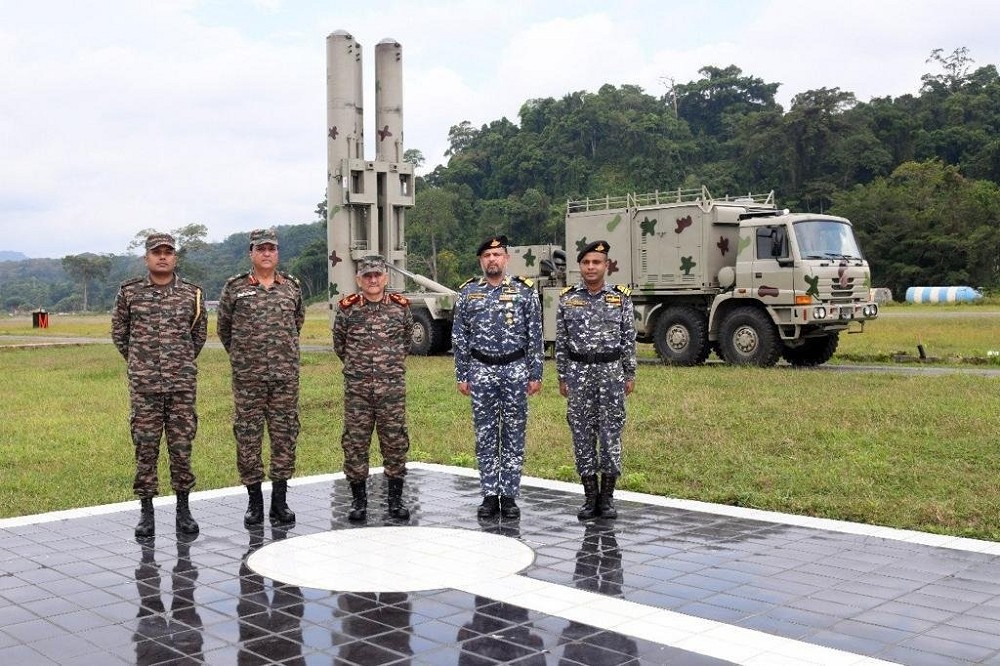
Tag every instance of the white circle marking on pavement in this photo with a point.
(391, 559)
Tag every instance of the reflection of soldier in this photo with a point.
(496, 336)
(499, 633)
(260, 316)
(371, 335)
(595, 359)
(270, 630)
(366, 616)
(158, 325)
(160, 638)
(598, 569)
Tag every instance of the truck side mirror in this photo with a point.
(777, 243)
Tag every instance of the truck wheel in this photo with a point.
(425, 334)
(748, 337)
(681, 336)
(812, 351)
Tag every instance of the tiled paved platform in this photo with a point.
(669, 582)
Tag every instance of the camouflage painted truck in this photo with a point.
(736, 276)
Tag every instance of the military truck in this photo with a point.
(736, 276)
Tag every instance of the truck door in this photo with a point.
(771, 275)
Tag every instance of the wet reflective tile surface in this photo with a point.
(665, 583)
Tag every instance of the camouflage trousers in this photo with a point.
(275, 403)
(152, 416)
(500, 417)
(374, 406)
(595, 412)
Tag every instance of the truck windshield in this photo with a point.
(826, 239)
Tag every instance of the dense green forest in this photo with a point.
(919, 175)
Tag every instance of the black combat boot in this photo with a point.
(489, 508)
(255, 506)
(147, 525)
(359, 506)
(396, 507)
(605, 503)
(589, 508)
(280, 513)
(508, 508)
(185, 521)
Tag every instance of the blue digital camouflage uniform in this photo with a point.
(160, 330)
(259, 327)
(595, 356)
(496, 324)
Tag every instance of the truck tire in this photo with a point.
(681, 336)
(425, 334)
(747, 336)
(812, 351)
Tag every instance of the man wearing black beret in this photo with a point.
(595, 360)
(496, 338)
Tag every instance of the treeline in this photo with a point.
(917, 174)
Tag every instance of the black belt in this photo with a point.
(595, 357)
(503, 359)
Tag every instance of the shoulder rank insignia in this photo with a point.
(467, 283)
(348, 301)
(528, 282)
(566, 290)
(624, 289)
(399, 298)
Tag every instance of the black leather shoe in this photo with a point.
(509, 509)
(489, 508)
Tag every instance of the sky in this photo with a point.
(122, 115)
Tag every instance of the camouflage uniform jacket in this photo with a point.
(372, 338)
(159, 330)
(259, 327)
(595, 323)
(497, 321)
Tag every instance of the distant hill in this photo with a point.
(10, 255)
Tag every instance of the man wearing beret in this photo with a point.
(497, 343)
(595, 360)
(371, 335)
(159, 327)
(260, 316)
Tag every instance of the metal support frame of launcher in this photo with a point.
(366, 199)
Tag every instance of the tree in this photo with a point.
(310, 267)
(86, 268)
(414, 157)
(431, 219)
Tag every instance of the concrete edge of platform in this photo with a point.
(844, 527)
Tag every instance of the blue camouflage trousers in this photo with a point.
(500, 418)
(152, 416)
(595, 412)
(275, 403)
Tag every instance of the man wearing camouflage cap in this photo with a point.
(159, 327)
(260, 316)
(595, 360)
(371, 335)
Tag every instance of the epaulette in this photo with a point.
(566, 289)
(527, 281)
(131, 281)
(623, 289)
(399, 298)
(191, 284)
(348, 301)
(289, 276)
(238, 276)
(468, 282)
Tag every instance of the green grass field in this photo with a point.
(896, 449)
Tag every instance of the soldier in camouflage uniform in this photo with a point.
(595, 359)
(260, 316)
(159, 327)
(497, 343)
(371, 335)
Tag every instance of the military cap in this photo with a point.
(157, 239)
(491, 243)
(262, 236)
(597, 246)
(371, 264)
